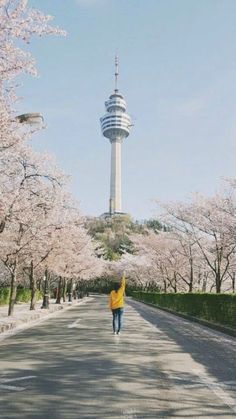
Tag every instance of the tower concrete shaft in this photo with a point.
(115, 180)
(115, 126)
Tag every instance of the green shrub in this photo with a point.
(216, 308)
(23, 295)
(39, 295)
(4, 295)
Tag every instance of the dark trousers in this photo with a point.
(117, 319)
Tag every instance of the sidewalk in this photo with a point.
(23, 317)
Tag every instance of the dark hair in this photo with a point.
(116, 286)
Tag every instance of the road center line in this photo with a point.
(14, 388)
(74, 324)
(8, 380)
(4, 386)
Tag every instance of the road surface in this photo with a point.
(161, 366)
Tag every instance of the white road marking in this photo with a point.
(11, 387)
(28, 325)
(5, 387)
(74, 324)
(8, 380)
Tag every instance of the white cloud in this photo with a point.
(192, 106)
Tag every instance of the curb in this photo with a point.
(27, 319)
(5, 327)
(223, 329)
(45, 313)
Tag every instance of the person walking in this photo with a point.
(116, 304)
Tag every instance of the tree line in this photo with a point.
(194, 251)
(42, 233)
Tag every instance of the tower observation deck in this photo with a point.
(115, 125)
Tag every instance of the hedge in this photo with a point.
(4, 295)
(215, 308)
(23, 295)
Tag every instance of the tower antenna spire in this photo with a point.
(116, 72)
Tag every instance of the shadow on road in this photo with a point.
(85, 372)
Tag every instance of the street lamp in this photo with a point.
(32, 118)
(35, 119)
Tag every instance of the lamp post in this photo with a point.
(35, 119)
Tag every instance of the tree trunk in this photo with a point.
(2, 226)
(191, 276)
(39, 284)
(190, 286)
(12, 293)
(175, 283)
(59, 291)
(70, 291)
(204, 283)
(218, 283)
(46, 291)
(33, 287)
(165, 286)
(233, 282)
(64, 290)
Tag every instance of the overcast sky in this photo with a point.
(178, 76)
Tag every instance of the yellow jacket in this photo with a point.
(116, 299)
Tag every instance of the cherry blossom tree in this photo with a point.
(73, 257)
(18, 24)
(38, 183)
(21, 193)
(136, 267)
(210, 224)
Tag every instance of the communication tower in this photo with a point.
(115, 125)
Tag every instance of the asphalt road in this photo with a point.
(162, 366)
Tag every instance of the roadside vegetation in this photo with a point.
(215, 308)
